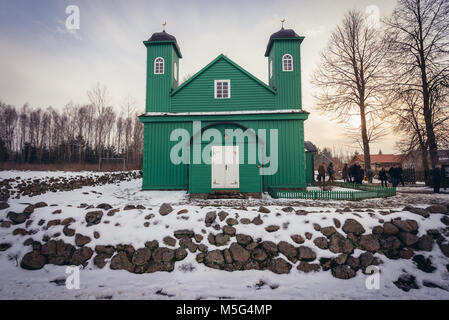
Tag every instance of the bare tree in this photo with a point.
(99, 98)
(138, 140)
(129, 104)
(119, 133)
(77, 133)
(9, 120)
(406, 116)
(349, 75)
(418, 46)
(186, 77)
(24, 126)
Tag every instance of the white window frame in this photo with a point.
(175, 71)
(271, 69)
(284, 58)
(229, 89)
(163, 65)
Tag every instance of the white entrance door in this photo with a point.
(225, 167)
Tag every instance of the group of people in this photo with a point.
(353, 173)
(395, 174)
(322, 172)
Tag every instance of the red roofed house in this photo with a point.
(378, 161)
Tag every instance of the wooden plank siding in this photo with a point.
(160, 85)
(160, 173)
(287, 84)
(198, 95)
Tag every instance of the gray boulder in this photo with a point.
(306, 254)
(165, 209)
(339, 244)
(353, 226)
(33, 260)
(214, 259)
(279, 266)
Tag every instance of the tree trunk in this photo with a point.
(427, 110)
(365, 140)
(425, 164)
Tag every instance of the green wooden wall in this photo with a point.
(286, 83)
(249, 177)
(160, 173)
(159, 86)
(246, 94)
(309, 167)
(158, 170)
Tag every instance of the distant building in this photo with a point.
(443, 159)
(378, 160)
(414, 159)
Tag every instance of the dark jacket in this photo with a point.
(394, 172)
(345, 171)
(321, 171)
(352, 170)
(330, 169)
(383, 175)
(436, 175)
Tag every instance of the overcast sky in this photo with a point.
(43, 64)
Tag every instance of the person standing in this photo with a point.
(400, 175)
(357, 173)
(322, 172)
(436, 179)
(330, 172)
(383, 177)
(445, 176)
(345, 173)
(369, 175)
(394, 174)
(352, 173)
(361, 175)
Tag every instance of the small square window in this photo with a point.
(222, 89)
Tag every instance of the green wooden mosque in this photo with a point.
(224, 129)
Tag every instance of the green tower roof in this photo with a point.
(163, 36)
(282, 34)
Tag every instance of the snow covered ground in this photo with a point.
(39, 174)
(420, 189)
(191, 280)
(333, 189)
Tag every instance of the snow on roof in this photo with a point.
(174, 114)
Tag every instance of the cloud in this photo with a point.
(315, 32)
(62, 29)
(59, 65)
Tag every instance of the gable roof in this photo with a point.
(220, 57)
(379, 158)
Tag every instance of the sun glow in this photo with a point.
(354, 121)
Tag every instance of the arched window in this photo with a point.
(271, 69)
(287, 62)
(175, 71)
(159, 65)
